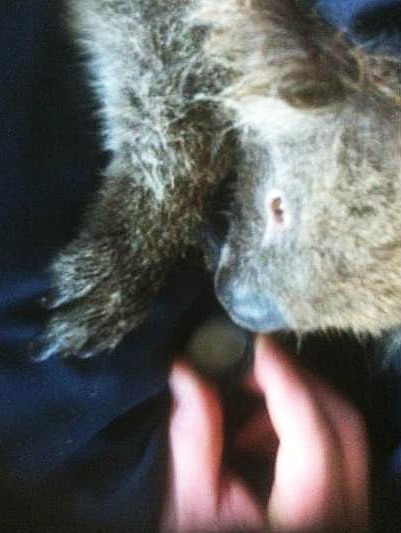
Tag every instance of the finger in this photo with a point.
(196, 442)
(203, 499)
(308, 489)
(238, 509)
(350, 428)
(287, 391)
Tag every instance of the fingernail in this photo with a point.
(180, 381)
(264, 346)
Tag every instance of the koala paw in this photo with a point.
(83, 328)
(89, 308)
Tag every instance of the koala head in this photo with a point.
(314, 236)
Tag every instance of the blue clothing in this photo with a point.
(373, 24)
(82, 444)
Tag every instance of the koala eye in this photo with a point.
(278, 217)
(276, 206)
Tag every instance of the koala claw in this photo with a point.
(79, 327)
(41, 349)
(53, 301)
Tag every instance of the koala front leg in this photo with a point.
(104, 280)
(137, 228)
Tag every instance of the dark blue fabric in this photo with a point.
(81, 443)
(384, 422)
(373, 24)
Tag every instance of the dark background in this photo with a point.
(83, 444)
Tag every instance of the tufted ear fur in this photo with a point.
(284, 49)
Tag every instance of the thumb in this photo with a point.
(196, 443)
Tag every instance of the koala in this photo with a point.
(259, 101)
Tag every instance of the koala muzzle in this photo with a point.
(249, 309)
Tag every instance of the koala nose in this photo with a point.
(248, 308)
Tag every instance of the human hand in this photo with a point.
(320, 471)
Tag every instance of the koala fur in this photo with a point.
(306, 125)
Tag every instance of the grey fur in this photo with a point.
(191, 90)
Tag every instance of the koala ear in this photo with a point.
(326, 67)
(310, 88)
(294, 54)
(316, 77)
